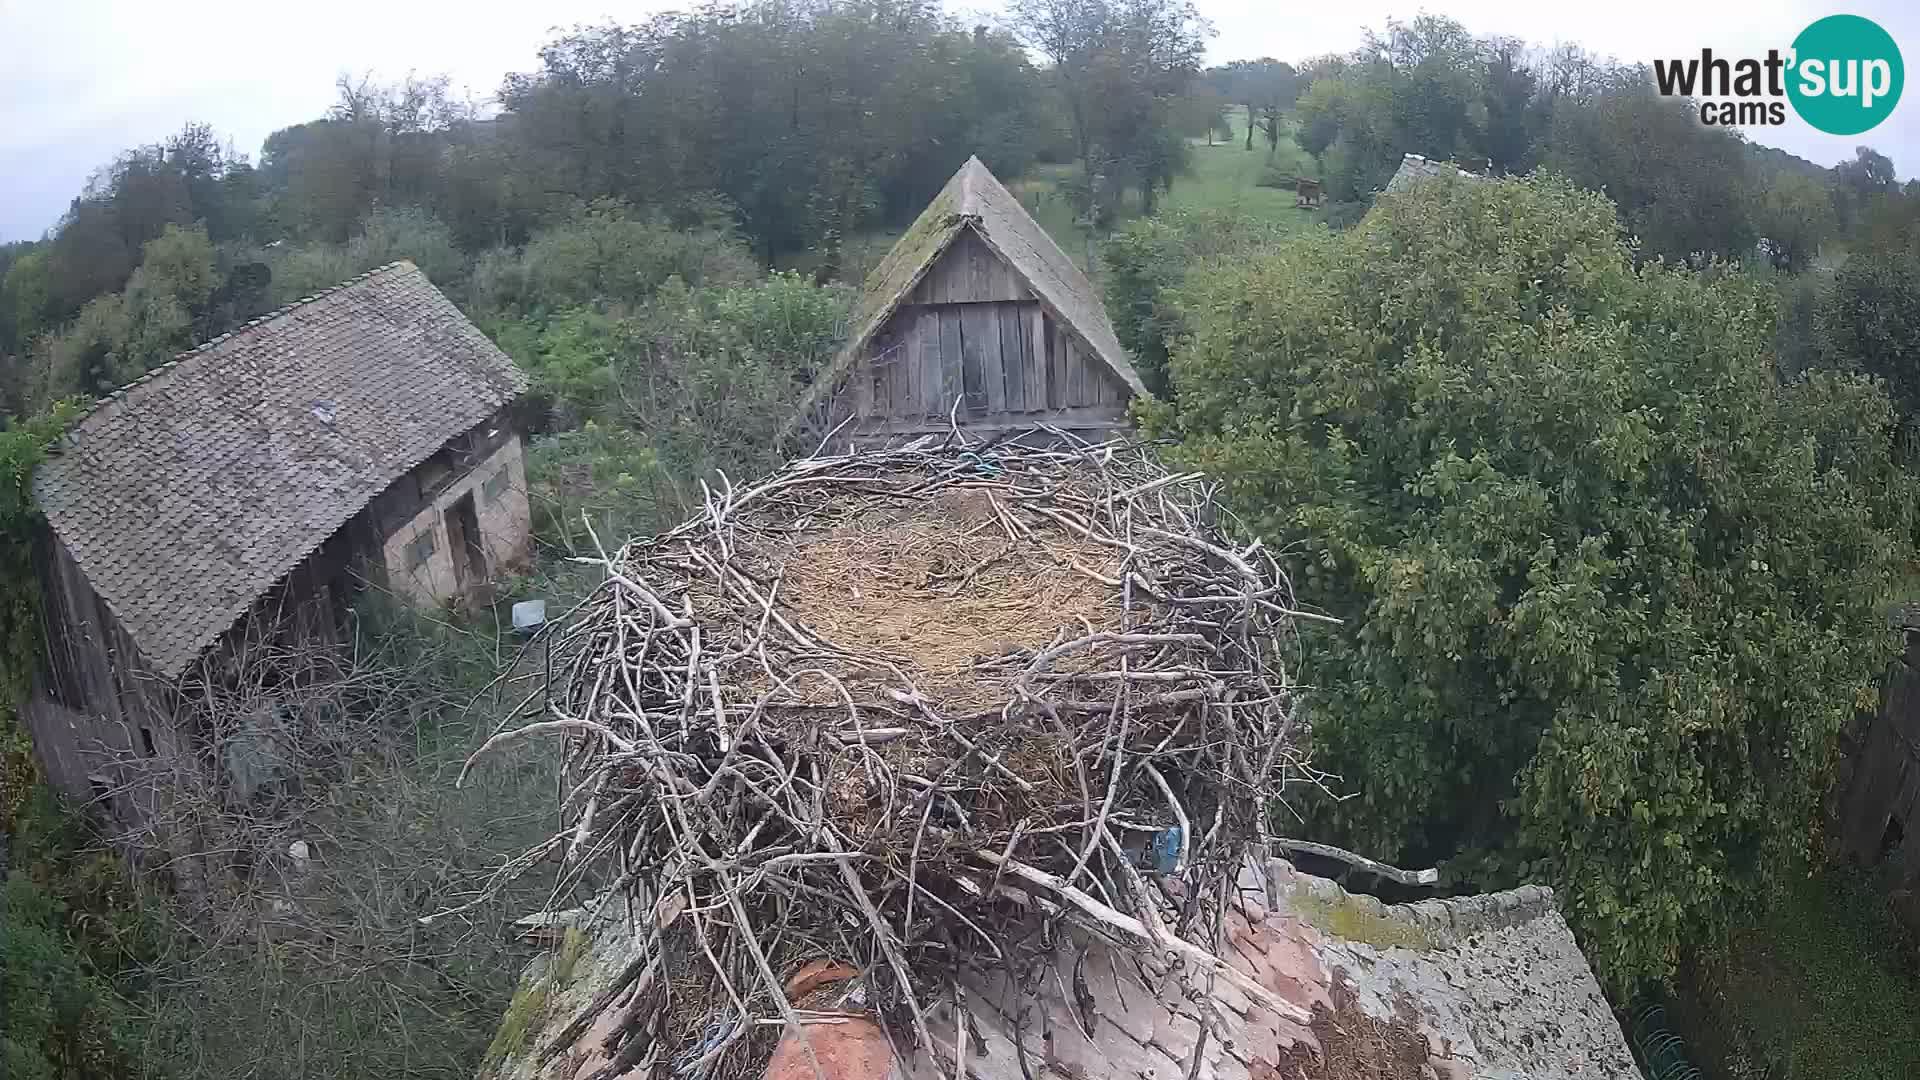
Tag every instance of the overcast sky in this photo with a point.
(81, 80)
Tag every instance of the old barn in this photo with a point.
(976, 317)
(242, 493)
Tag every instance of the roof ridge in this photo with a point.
(969, 191)
(120, 392)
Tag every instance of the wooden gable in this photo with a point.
(971, 330)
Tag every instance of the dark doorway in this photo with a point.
(1894, 836)
(463, 542)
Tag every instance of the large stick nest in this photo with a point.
(918, 710)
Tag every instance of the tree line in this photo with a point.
(800, 127)
(1609, 539)
(1493, 104)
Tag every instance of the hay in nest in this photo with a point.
(920, 710)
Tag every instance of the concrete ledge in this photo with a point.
(1445, 920)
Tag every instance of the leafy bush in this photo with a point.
(73, 921)
(569, 356)
(23, 445)
(386, 235)
(694, 381)
(609, 476)
(1609, 589)
(120, 336)
(1868, 321)
(608, 256)
(62, 1019)
(1273, 176)
(1147, 258)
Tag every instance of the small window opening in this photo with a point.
(1893, 837)
(419, 550)
(496, 485)
(146, 740)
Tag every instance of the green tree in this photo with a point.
(384, 236)
(120, 336)
(1415, 87)
(807, 122)
(1794, 214)
(1512, 107)
(1684, 190)
(1266, 88)
(1121, 66)
(1145, 262)
(607, 256)
(1868, 321)
(62, 1019)
(1609, 589)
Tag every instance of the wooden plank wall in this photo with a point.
(971, 330)
(1879, 782)
(967, 273)
(90, 711)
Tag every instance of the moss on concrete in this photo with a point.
(573, 945)
(1344, 917)
(527, 1012)
(524, 1013)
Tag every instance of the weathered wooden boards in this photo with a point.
(972, 331)
(1000, 357)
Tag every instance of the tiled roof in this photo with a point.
(975, 199)
(187, 495)
(1494, 986)
(1414, 168)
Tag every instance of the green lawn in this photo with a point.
(1225, 176)
(1222, 177)
(1821, 987)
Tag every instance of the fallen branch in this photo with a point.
(1430, 876)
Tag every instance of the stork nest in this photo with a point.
(919, 710)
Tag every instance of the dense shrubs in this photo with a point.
(1867, 320)
(691, 381)
(1609, 589)
(1150, 256)
(72, 923)
(608, 256)
(386, 235)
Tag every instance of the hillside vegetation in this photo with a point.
(1610, 490)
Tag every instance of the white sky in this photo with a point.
(81, 80)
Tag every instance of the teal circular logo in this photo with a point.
(1846, 74)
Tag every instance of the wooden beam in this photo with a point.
(1012, 357)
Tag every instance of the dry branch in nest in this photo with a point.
(922, 710)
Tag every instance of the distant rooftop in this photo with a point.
(1414, 168)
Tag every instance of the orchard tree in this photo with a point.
(1608, 589)
(1266, 88)
(1121, 66)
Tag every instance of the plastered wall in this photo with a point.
(498, 485)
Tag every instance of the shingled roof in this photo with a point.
(974, 199)
(1414, 168)
(187, 495)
